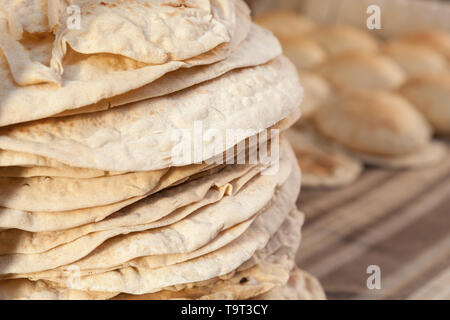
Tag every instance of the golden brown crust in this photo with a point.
(430, 94)
(286, 24)
(362, 70)
(375, 122)
(436, 39)
(337, 39)
(416, 59)
(304, 52)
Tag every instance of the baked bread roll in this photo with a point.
(374, 122)
(303, 52)
(323, 162)
(362, 70)
(436, 39)
(286, 24)
(301, 286)
(340, 38)
(431, 96)
(316, 92)
(416, 59)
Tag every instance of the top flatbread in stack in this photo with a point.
(92, 122)
(50, 64)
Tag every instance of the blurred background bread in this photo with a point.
(337, 39)
(362, 70)
(430, 94)
(375, 122)
(394, 213)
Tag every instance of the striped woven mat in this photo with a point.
(396, 220)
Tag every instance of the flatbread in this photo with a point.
(323, 163)
(430, 155)
(163, 208)
(416, 59)
(438, 40)
(66, 172)
(10, 158)
(24, 289)
(235, 285)
(304, 52)
(181, 235)
(290, 227)
(245, 283)
(338, 39)
(290, 187)
(119, 140)
(317, 91)
(301, 286)
(62, 194)
(362, 70)
(152, 32)
(430, 94)
(98, 76)
(286, 24)
(381, 129)
(375, 122)
(258, 48)
(141, 281)
(42, 221)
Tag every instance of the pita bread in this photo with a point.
(24, 289)
(23, 69)
(337, 39)
(286, 24)
(10, 158)
(430, 94)
(362, 70)
(66, 172)
(258, 48)
(62, 194)
(437, 39)
(42, 221)
(374, 122)
(153, 262)
(323, 163)
(30, 165)
(152, 41)
(416, 59)
(271, 271)
(19, 165)
(118, 139)
(163, 208)
(148, 31)
(430, 155)
(31, 16)
(180, 233)
(97, 172)
(301, 286)
(141, 281)
(288, 236)
(235, 285)
(317, 91)
(304, 52)
(157, 261)
(98, 76)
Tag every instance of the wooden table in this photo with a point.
(397, 220)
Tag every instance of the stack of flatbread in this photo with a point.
(118, 178)
(367, 101)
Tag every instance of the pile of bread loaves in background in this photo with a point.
(367, 101)
(94, 201)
